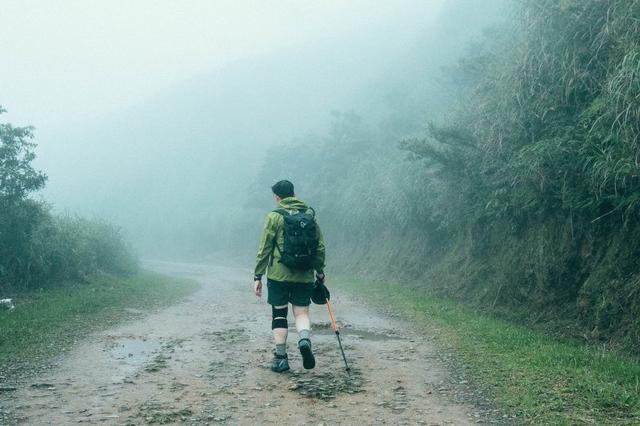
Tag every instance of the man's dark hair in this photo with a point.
(283, 189)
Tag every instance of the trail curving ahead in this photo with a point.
(206, 361)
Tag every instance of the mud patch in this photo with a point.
(326, 386)
(226, 373)
(134, 350)
(349, 331)
(153, 412)
(399, 402)
(230, 336)
(157, 364)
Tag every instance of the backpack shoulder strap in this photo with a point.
(281, 212)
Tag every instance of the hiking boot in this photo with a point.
(280, 363)
(308, 360)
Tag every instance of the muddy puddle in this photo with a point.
(347, 331)
(134, 350)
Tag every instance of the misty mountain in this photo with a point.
(174, 170)
(169, 163)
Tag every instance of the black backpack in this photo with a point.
(300, 239)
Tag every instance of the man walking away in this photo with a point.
(291, 249)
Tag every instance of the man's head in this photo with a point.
(282, 189)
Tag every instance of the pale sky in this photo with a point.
(89, 58)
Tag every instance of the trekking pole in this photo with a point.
(334, 325)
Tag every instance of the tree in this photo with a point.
(18, 178)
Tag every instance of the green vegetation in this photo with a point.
(537, 174)
(38, 249)
(523, 198)
(46, 322)
(540, 379)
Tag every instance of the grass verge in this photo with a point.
(47, 322)
(538, 378)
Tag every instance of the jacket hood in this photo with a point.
(292, 203)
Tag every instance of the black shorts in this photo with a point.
(280, 293)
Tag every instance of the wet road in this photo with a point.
(206, 361)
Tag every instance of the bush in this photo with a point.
(47, 250)
(39, 249)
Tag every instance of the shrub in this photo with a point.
(37, 248)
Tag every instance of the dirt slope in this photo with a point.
(205, 361)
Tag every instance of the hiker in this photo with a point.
(291, 249)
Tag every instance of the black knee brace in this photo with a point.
(279, 317)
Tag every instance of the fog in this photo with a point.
(158, 116)
(473, 166)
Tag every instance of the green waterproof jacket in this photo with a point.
(268, 256)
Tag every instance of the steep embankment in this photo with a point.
(579, 283)
(537, 178)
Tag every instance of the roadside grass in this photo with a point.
(540, 379)
(47, 322)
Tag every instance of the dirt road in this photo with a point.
(206, 361)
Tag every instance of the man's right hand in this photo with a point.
(257, 287)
